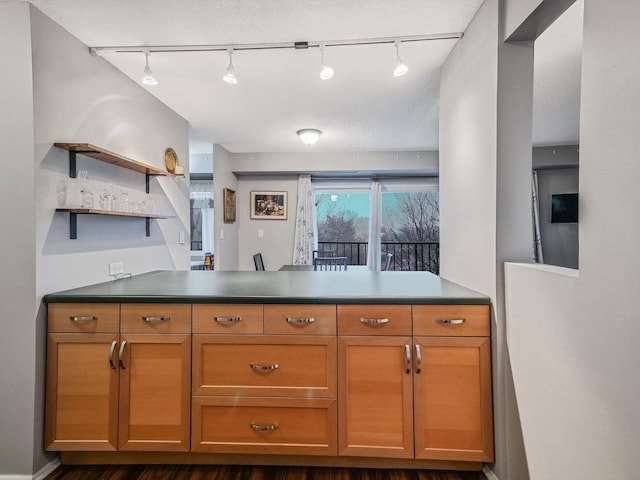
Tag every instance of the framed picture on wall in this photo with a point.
(229, 205)
(268, 205)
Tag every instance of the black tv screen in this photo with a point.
(564, 208)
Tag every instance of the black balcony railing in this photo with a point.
(407, 256)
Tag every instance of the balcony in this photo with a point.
(407, 256)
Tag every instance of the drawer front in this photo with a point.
(264, 365)
(229, 319)
(300, 319)
(155, 318)
(264, 425)
(451, 320)
(83, 317)
(374, 319)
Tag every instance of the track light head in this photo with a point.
(149, 78)
(326, 72)
(230, 72)
(401, 68)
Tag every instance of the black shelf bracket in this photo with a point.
(146, 182)
(73, 226)
(72, 164)
(148, 222)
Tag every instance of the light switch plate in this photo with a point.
(116, 268)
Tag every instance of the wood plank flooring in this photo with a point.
(213, 472)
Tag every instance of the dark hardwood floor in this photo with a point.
(212, 472)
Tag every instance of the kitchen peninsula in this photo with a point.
(379, 369)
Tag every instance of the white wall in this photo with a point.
(57, 91)
(580, 396)
(18, 304)
(279, 172)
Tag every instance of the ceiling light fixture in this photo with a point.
(326, 72)
(401, 68)
(309, 136)
(149, 78)
(230, 73)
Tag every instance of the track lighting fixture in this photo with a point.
(230, 73)
(149, 78)
(401, 68)
(326, 72)
(309, 136)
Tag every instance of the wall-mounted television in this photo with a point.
(564, 208)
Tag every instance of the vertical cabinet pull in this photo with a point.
(418, 359)
(111, 350)
(407, 349)
(120, 354)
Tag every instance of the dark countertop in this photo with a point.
(355, 287)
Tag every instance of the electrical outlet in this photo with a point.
(116, 268)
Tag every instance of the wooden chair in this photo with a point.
(257, 261)
(386, 261)
(330, 263)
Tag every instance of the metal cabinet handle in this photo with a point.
(255, 366)
(374, 321)
(449, 321)
(111, 350)
(418, 359)
(227, 319)
(407, 349)
(120, 354)
(82, 318)
(301, 321)
(263, 428)
(156, 319)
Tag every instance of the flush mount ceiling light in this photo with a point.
(401, 68)
(230, 73)
(326, 72)
(309, 136)
(149, 78)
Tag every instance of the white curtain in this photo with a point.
(535, 212)
(374, 251)
(306, 232)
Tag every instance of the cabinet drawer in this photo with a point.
(374, 319)
(155, 318)
(300, 319)
(264, 425)
(264, 365)
(83, 317)
(223, 318)
(451, 320)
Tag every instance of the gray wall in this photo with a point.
(18, 303)
(70, 96)
(574, 334)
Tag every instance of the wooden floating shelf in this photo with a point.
(93, 211)
(107, 156)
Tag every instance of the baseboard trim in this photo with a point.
(489, 473)
(47, 469)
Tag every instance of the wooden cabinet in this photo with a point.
(410, 383)
(426, 397)
(452, 383)
(254, 392)
(124, 390)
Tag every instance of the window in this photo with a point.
(408, 227)
(201, 201)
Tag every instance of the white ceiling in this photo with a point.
(362, 108)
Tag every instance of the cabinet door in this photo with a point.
(375, 397)
(452, 388)
(155, 385)
(82, 392)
